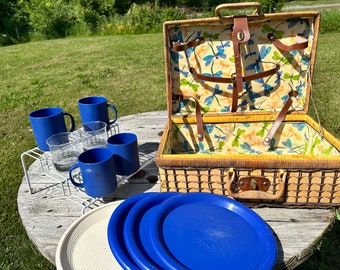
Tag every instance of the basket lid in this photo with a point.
(242, 64)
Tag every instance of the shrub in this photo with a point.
(145, 18)
(271, 6)
(58, 18)
(79, 29)
(49, 18)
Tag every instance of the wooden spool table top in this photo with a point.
(53, 205)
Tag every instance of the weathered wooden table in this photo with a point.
(49, 205)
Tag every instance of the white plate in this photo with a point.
(84, 244)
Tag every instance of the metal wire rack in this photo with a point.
(43, 161)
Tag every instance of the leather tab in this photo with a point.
(178, 46)
(240, 30)
(246, 183)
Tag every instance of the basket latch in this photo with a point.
(253, 183)
(256, 187)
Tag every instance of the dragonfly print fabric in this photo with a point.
(215, 57)
(247, 138)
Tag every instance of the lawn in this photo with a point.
(129, 71)
(312, 5)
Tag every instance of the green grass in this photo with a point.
(129, 71)
(312, 4)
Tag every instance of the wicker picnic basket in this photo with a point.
(238, 91)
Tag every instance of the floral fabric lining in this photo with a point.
(247, 138)
(215, 57)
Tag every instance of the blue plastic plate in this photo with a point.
(208, 231)
(115, 231)
(132, 229)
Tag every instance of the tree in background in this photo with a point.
(268, 6)
(13, 28)
(57, 18)
(22, 20)
(94, 11)
(50, 18)
(6, 12)
(271, 6)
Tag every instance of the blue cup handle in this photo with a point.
(115, 113)
(74, 166)
(72, 121)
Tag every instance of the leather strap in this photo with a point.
(199, 120)
(301, 43)
(178, 46)
(247, 78)
(281, 116)
(239, 35)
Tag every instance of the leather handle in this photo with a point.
(234, 6)
(257, 194)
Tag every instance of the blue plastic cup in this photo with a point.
(46, 122)
(98, 174)
(96, 108)
(124, 147)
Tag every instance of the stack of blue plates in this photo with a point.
(189, 231)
